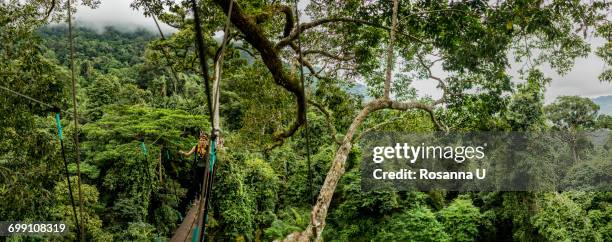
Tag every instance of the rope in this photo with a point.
(42, 103)
(60, 135)
(202, 55)
(76, 120)
(306, 129)
(26, 97)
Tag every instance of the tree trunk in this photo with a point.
(215, 95)
(319, 211)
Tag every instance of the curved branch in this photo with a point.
(51, 7)
(441, 83)
(286, 10)
(256, 37)
(245, 50)
(288, 19)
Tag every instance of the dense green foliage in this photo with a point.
(134, 88)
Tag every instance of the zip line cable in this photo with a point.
(76, 119)
(60, 135)
(306, 129)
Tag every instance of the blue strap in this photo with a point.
(196, 233)
(60, 133)
(213, 153)
(143, 148)
(213, 159)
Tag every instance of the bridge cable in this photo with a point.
(76, 119)
(60, 135)
(306, 129)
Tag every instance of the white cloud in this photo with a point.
(117, 13)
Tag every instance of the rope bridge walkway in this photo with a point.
(184, 232)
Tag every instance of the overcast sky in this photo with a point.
(582, 80)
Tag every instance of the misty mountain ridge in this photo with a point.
(605, 104)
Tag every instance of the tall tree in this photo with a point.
(572, 114)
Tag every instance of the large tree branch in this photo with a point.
(256, 37)
(49, 11)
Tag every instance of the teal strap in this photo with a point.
(196, 233)
(144, 148)
(60, 133)
(158, 238)
(213, 153)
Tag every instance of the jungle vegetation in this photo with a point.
(134, 87)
